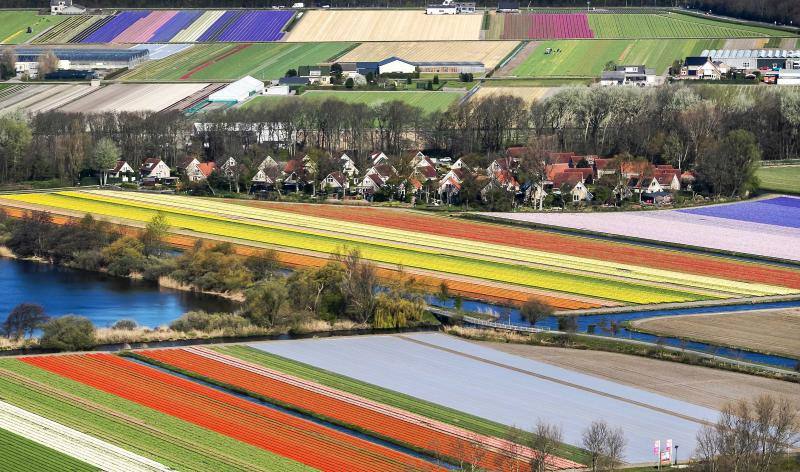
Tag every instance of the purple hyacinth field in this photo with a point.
(768, 228)
(179, 22)
(779, 211)
(257, 26)
(115, 27)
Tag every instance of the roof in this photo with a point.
(206, 168)
(293, 81)
(338, 177)
(293, 165)
(696, 60)
(551, 170)
(586, 172)
(568, 178)
(150, 163)
(428, 172)
(385, 170)
(243, 86)
(118, 167)
(722, 54)
(376, 179)
(603, 164)
(392, 59)
(84, 54)
(508, 5)
(612, 75)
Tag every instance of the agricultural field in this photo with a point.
(767, 228)
(481, 257)
(497, 386)
(132, 98)
(711, 388)
(771, 332)
(383, 25)
(146, 26)
(232, 62)
(490, 53)
(672, 25)
(29, 455)
(783, 179)
(546, 26)
(428, 101)
(402, 428)
(588, 58)
(14, 25)
(529, 94)
(42, 98)
(63, 32)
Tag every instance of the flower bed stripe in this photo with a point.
(287, 435)
(405, 428)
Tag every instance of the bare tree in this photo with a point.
(594, 441)
(48, 62)
(614, 448)
(358, 286)
(546, 439)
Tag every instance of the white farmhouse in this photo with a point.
(395, 65)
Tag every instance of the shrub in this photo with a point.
(202, 321)
(125, 256)
(127, 325)
(68, 333)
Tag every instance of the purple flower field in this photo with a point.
(154, 27)
(769, 228)
(779, 211)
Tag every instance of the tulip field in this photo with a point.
(401, 427)
(29, 454)
(588, 271)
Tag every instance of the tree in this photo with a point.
(593, 440)
(155, 233)
(534, 310)
(23, 320)
(104, 157)
(546, 440)
(349, 83)
(358, 286)
(291, 73)
(730, 167)
(8, 64)
(68, 333)
(263, 303)
(263, 264)
(48, 62)
(610, 66)
(125, 256)
(567, 323)
(436, 79)
(15, 139)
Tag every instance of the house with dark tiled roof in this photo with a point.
(154, 168)
(122, 171)
(336, 182)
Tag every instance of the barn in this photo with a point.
(238, 91)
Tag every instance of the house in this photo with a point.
(379, 158)
(580, 193)
(335, 181)
(450, 7)
(644, 185)
(265, 179)
(297, 173)
(123, 172)
(508, 6)
(370, 184)
(755, 59)
(66, 7)
(268, 163)
(384, 171)
(460, 164)
(154, 168)
(395, 65)
(629, 75)
(230, 167)
(502, 164)
(205, 169)
(701, 68)
(348, 166)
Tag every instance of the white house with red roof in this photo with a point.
(348, 166)
(122, 171)
(335, 181)
(154, 168)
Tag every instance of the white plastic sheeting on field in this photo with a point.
(73, 443)
(508, 389)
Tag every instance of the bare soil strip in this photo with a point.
(711, 388)
(768, 331)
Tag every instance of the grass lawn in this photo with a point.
(14, 24)
(582, 58)
(21, 454)
(385, 396)
(428, 101)
(784, 179)
(264, 61)
(672, 25)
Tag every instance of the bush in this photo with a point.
(68, 333)
(126, 325)
(202, 321)
(125, 256)
(534, 310)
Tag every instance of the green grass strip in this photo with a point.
(136, 428)
(386, 396)
(23, 455)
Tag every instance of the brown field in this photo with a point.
(773, 331)
(529, 94)
(384, 25)
(703, 386)
(490, 53)
(745, 43)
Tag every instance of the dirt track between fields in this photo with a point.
(769, 331)
(703, 386)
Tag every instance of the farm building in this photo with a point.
(81, 59)
(238, 91)
(508, 6)
(629, 75)
(450, 7)
(66, 7)
(789, 77)
(752, 59)
(395, 65)
(703, 68)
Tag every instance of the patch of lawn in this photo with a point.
(782, 179)
(14, 25)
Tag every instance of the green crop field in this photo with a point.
(144, 431)
(265, 61)
(581, 58)
(14, 25)
(672, 25)
(783, 179)
(21, 454)
(428, 101)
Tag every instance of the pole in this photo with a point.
(676, 454)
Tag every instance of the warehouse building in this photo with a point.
(238, 91)
(80, 59)
(754, 59)
(450, 7)
(396, 65)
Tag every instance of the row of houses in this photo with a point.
(775, 66)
